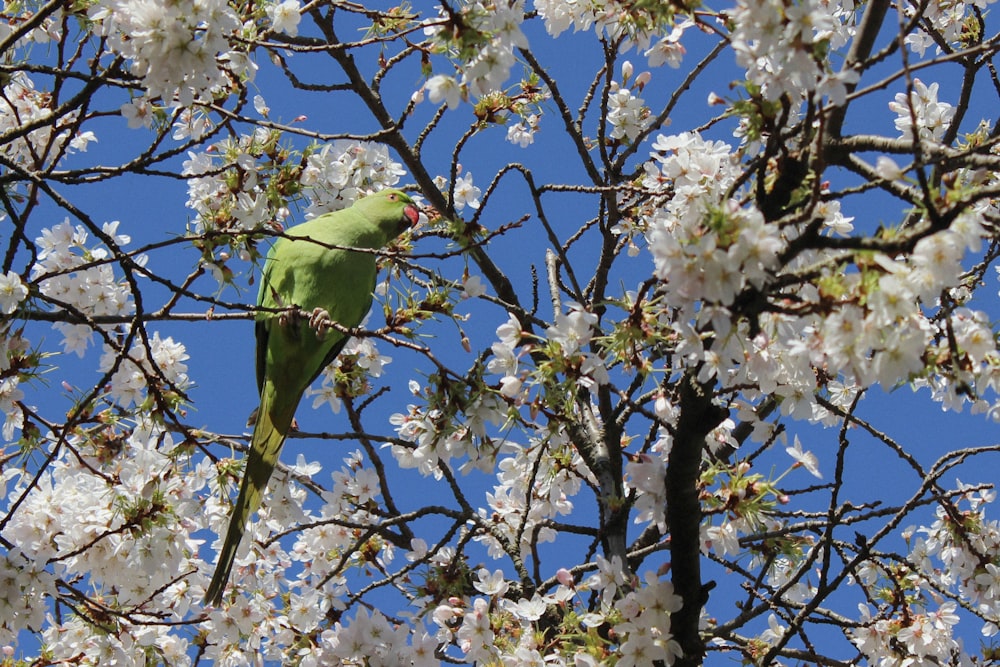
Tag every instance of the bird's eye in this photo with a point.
(393, 197)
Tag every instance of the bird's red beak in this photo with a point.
(412, 214)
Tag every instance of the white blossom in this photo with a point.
(807, 460)
(285, 16)
(12, 292)
(168, 45)
(932, 117)
(466, 194)
(443, 88)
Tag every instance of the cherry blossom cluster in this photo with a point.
(252, 624)
(892, 337)
(782, 45)
(349, 373)
(71, 274)
(355, 487)
(518, 510)
(639, 23)
(123, 521)
(370, 638)
(447, 422)
(627, 114)
(23, 582)
(704, 247)
(957, 556)
(14, 353)
(130, 645)
(942, 22)
(226, 189)
(436, 435)
(966, 542)
(926, 636)
(496, 626)
(48, 137)
(153, 367)
(709, 250)
(877, 334)
(338, 173)
(522, 133)
(480, 42)
(920, 107)
(327, 545)
(645, 478)
(483, 36)
(569, 350)
(17, 363)
(562, 360)
(180, 50)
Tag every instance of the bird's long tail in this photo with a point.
(269, 433)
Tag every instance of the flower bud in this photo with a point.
(626, 71)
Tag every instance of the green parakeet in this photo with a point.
(311, 269)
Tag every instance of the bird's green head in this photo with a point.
(392, 210)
